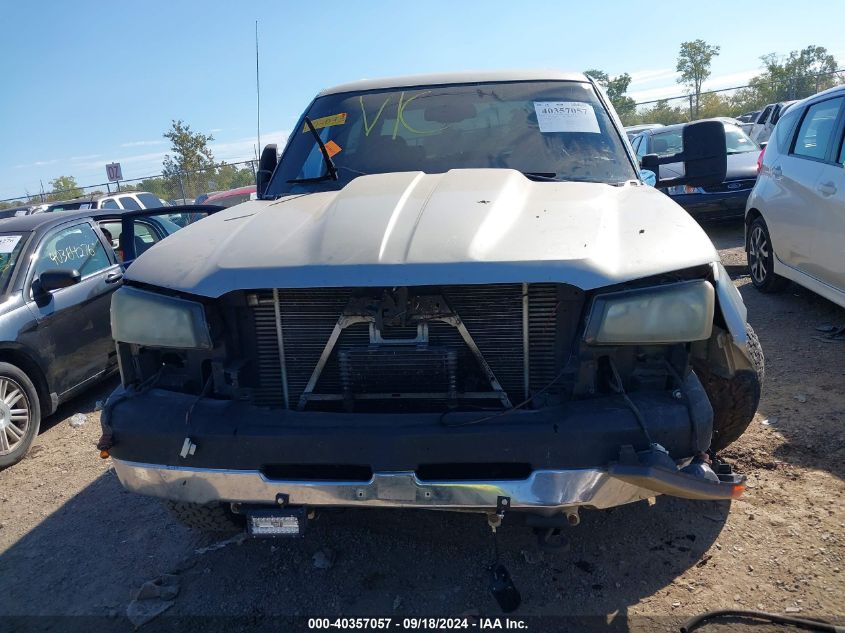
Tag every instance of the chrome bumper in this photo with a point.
(544, 489)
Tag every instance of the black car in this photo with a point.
(57, 274)
(725, 201)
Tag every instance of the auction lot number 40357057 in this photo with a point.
(416, 623)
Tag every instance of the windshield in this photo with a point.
(672, 142)
(551, 130)
(11, 245)
(738, 141)
(70, 206)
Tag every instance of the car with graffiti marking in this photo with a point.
(453, 292)
(57, 274)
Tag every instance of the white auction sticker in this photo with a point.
(566, 116)
(8, 243)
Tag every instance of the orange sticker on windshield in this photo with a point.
(326, 121)
(332, 148)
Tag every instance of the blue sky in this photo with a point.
(85, 83)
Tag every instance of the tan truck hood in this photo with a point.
(465, 226)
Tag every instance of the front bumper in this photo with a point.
(552, 458)
(719, 206)
(546, 490)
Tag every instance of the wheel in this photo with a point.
(761, 259)
(735, 400)
(20, 414)
(212, 517)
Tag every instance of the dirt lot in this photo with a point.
(73, 543)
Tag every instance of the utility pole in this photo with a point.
(257, 91)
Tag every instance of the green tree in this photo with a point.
(161, 187)
(694, 61)
(64, 187)
(662, 112)
(795, 76)
(599, 75)
(615, 88)
(714, 104)
(230, 177)
(190, 154)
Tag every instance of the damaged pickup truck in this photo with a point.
(453, 292)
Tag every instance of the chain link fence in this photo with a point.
(733, 101)
(180, 188)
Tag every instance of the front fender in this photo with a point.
(732, 306)
(726, 351)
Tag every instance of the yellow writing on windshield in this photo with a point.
(369, 128)
(400, 116)
(326, 121)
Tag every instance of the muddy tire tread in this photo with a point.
(735, 400)
(206, 518)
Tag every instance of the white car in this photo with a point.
(453, 292)
(761, 129)
(795, 216)
(129, 200)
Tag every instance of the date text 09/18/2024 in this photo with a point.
(414, 624)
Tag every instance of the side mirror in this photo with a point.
(51, 280)
(266, 166)
(704, 157)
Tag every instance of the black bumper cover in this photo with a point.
(151, 428)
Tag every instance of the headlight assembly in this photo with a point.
(155, 320)
(674, 313)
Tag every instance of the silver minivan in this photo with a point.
(795, 216)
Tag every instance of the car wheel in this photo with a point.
(20, 414)
(735, 399)
(761, 259)
(212, 517)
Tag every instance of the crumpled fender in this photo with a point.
(734, 314)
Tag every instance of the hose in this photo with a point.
(775, 618)
(619, 389)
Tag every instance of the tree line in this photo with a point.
(188, 170)
(797, 75)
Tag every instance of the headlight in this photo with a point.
(674, 313)
(154, 320)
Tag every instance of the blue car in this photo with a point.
(725, 201)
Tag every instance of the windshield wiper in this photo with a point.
(541, 175)
(331, 169)
(553, 177)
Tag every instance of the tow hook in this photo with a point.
(501, 584)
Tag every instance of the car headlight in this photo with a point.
(155, 320)
(674, 313)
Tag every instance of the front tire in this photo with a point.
(20, 414)
(761, 258)
(735, 400)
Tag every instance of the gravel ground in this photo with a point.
(73, 543)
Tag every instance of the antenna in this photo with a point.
(257, 91)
